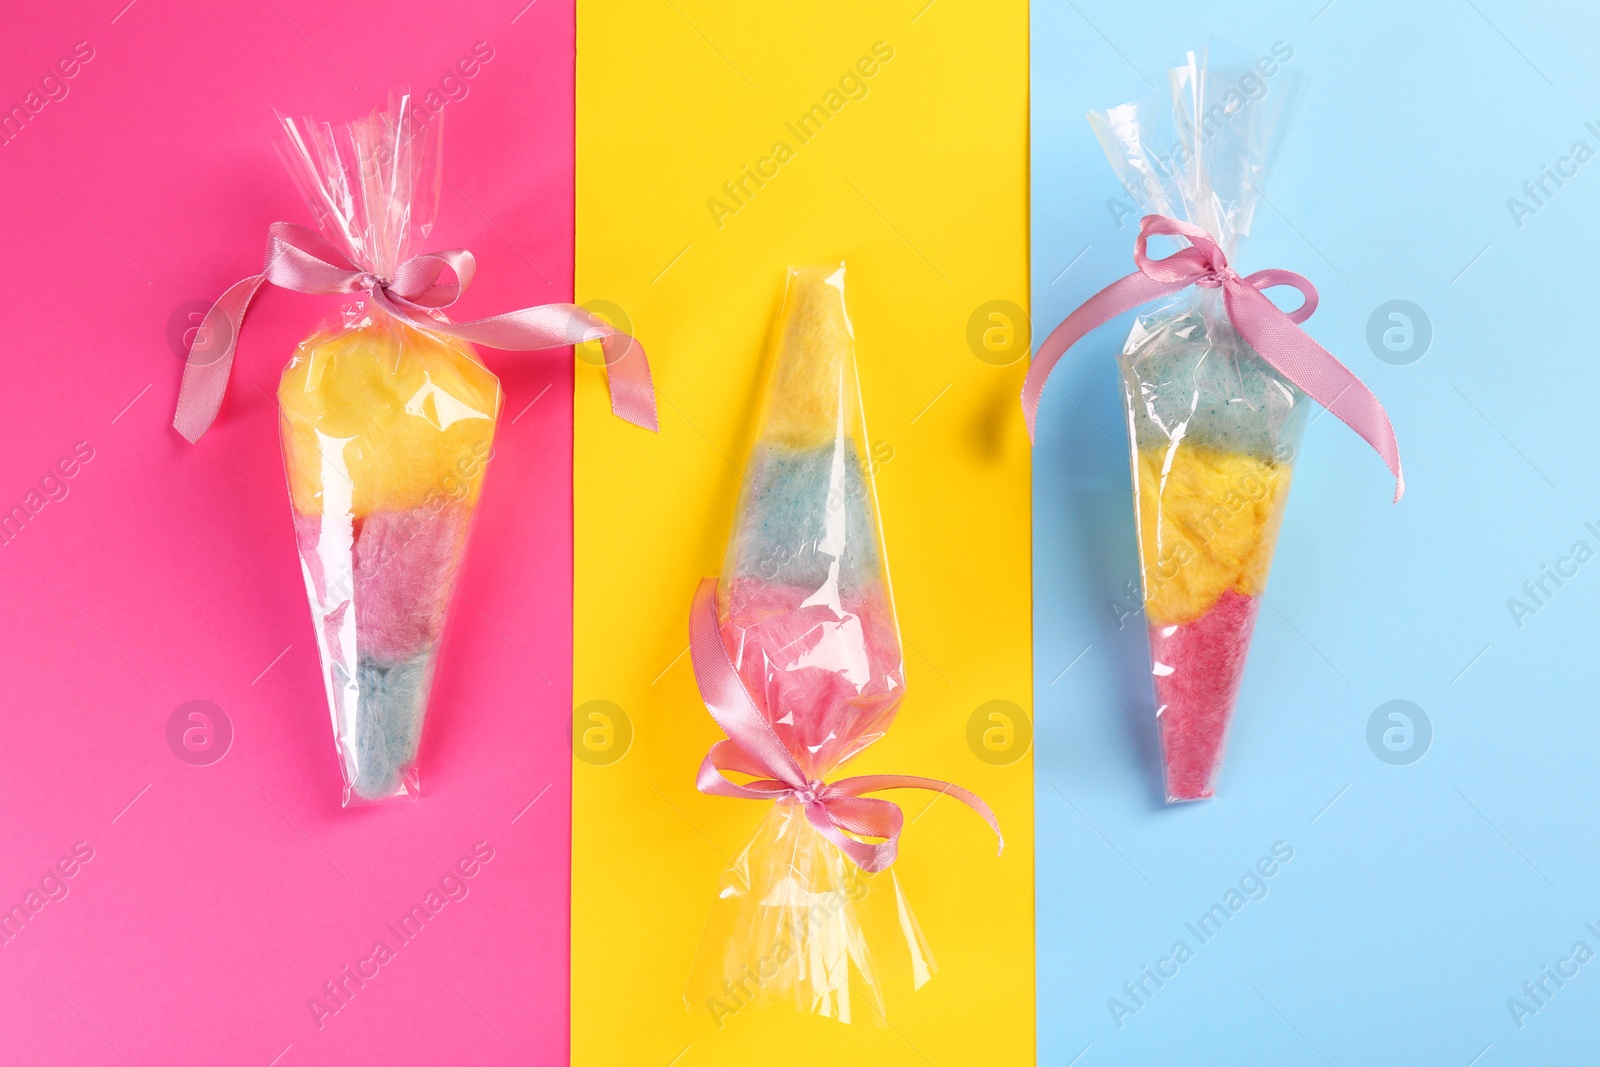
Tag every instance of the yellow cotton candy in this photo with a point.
(813, 383)
(384, 417)
(1208, 521)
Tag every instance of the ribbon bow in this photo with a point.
(1275, 334)
(753, 748)
(300, 259)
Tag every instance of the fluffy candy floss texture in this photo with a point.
(386, 433)
(1205, 385)
(791, 497)
(806, 508)
(1208, 522)
(812, 396)
(388, 726)
(1214, 428)
(829, 677)
(1198, 667)
(805, 606)
(385, 417)
(1207, 527)
(399, 571)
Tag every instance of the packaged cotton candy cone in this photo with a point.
(798, 657)
(1217, 381)
(387, 420)
(386, 429)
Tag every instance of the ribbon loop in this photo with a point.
(1271, 277)
(417, 281)
(422, 287)
(1200, 263)
(837, 809)
(1274, 333)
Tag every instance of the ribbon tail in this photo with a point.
(712, 779)
(726, 698)
(633, 395)
(205, 375)
(1315, 370)
(633, 391)
(848, 809)
(874, 783)
(871, 857)
(1122, 295)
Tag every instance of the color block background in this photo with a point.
(920, 186)
(220, 898)
(1420, 897)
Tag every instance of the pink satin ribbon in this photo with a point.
(300, 259)
(1275, 334)
(753, 748)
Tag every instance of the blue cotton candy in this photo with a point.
(387, 722)
(788, 498)
(1186, 382)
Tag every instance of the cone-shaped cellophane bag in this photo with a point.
(807, 618)
(386, 432)
(1214, 428)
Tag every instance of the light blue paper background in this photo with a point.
(1417, 902)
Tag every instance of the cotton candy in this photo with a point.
(380, 586)
(387, 429)
(403, 572)
(1214, 422)
(1215, 430)
(804, 513)
(812, 395)
(386, 434)
(828, 676)
(806, 616)
(1198, 666)
(806, 611)
(387, 722)
(1208, 521)
(391, 416)
(1207, 386)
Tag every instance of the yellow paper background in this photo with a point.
(921, 188)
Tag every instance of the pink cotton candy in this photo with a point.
(399, 574)
(1198, 667)
(828, 676)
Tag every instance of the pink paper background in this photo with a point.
(220, 898)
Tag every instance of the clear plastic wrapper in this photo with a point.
(1213, 427)
(806, 615)
(386, 430)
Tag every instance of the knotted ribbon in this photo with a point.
(300, 259)
(1275, 334)
(753, 748)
